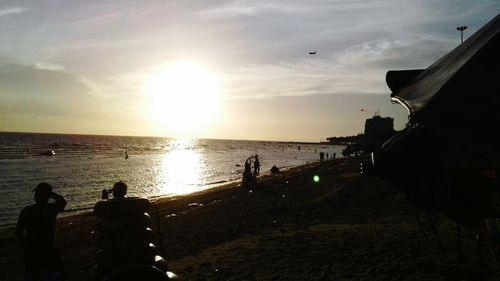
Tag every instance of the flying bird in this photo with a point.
(312, 53)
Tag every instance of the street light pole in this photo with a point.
(461, 29)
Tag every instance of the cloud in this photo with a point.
(11, 11)
(49, 66)
(252, 8)
(416, 52)
(34, 91)
(259, 47)
(39, 99)
(360, 68)
(93, 21)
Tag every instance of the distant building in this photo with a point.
(379, 126)
(377, 129)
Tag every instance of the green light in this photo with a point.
(316, 178)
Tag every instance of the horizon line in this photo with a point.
(167, 137)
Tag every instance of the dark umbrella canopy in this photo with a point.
(448, 157)
(459, 94)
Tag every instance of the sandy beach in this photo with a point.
(344, 227)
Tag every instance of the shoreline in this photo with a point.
(85, 211)
(344, 227)
(82, 225)
(208, 187)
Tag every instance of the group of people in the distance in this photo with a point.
(256, 165)
(35, 232)
(249, 177)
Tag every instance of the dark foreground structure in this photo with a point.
(126, 244)
(448, 156)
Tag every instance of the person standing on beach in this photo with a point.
(248, 178)
(35, 231)
(248, 168)
(256, 165)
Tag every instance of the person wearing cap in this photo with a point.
(35, 231)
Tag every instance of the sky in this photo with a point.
(87, 67)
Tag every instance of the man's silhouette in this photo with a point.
(256, 165)
(119, 190)
(35, 230)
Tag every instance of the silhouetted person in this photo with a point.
(248, 178)
(275, 170)
(35, 230)
(256, 165)
(248, 167)
(334, 155)
(321, 156)
(119, 190)
(104, 194)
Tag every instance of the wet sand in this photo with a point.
(344, 227)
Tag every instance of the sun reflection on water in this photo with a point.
(180, 169)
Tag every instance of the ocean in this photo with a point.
(83, 165)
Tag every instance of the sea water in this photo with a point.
(84, 165)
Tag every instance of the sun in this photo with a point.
(184, 98)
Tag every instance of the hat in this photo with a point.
(43, 187)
